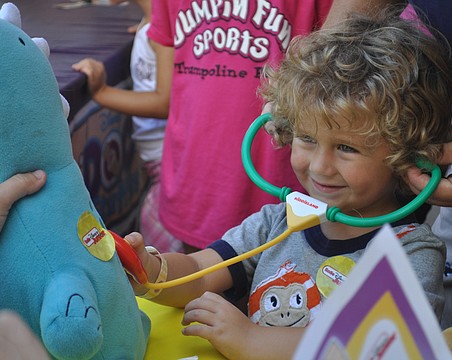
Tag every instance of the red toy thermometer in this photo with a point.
(129, 259)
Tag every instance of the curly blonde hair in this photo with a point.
(384, 75)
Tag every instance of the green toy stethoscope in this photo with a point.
(333, 213)
(303, 212)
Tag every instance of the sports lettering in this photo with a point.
(264, 17)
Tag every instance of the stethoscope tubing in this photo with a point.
(334, 213)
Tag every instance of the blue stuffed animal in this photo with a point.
(59, 267)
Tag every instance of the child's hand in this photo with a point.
(17, 187)
(269, 126)
(218, 321)
(136, 241)
(95, 71)
(418, 180)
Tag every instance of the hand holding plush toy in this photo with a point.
(59, 267)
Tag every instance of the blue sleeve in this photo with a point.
(239, 278)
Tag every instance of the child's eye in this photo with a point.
(346, 148)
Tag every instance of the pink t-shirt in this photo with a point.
(220, 49)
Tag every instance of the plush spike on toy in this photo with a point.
(42, 44)
(10, 13)
(59, 267)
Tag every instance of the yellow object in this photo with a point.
(94, 237)
(332, 273)
(166, 341)
(385, 314)
(447, 333)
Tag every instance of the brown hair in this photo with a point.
(385, 70)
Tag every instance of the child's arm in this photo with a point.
(233, 334)
(180, 265)
(209, 315)
(146, 103)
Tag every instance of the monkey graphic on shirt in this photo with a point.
(286, 299)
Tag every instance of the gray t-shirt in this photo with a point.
(282, 280)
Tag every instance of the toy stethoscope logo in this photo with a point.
(303, 212)
(333, 213)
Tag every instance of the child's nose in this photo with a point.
(322, 163)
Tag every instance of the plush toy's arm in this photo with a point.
(70, 321)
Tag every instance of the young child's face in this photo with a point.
(337, 167)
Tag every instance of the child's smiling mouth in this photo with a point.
(326, 188)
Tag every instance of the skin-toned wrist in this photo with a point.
(161, 276)
(152, 267)
(150, 262)
(102, 95)
(269, 343)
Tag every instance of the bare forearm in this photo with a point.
(270, 343)
(180, 265)
(145, 104)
